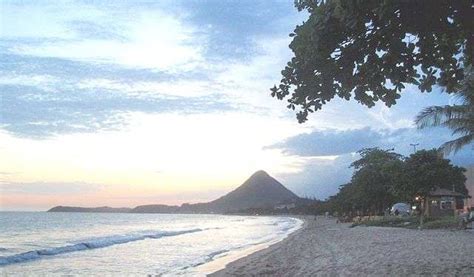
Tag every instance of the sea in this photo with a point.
(111, 244)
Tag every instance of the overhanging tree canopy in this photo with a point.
(369, 50)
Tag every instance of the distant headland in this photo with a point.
(260, 191)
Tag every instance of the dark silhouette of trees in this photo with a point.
(370, 50)
(375, 174)
(382, 178)
(370, 189)
(427, 170)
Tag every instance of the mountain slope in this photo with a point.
(105, 209)
(260, 190)
(157, 208)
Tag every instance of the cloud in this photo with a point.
(6, 173)
(92, 64)
(249, 20)
(29, 111)
(219, 55)
(329, 142)
(92, 30)
(336, 142)
(48, 188)
(73, 71)
(105, 34)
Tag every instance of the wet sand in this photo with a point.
(324, 248)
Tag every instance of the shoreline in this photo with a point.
(323, 248)
(220, 264)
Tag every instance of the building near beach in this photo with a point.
(444, 202)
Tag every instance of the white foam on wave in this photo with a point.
(219, 259)
(89, 244)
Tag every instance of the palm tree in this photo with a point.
(459, 118)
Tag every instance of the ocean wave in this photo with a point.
(212, 255)
(208, 258)
(90, 244)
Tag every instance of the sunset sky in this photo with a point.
(122, 104)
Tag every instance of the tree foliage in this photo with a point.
(459, 118)
(375, 174)
(370, 50)
(427, 170)
(382, 178)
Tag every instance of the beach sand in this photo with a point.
(323, 247)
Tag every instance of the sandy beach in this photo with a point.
(323, 247)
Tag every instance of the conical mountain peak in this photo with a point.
(260, 173)
(260, 190)
(259, 176)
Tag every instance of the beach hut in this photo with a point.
(444, 202)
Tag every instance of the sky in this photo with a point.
(126, 103)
